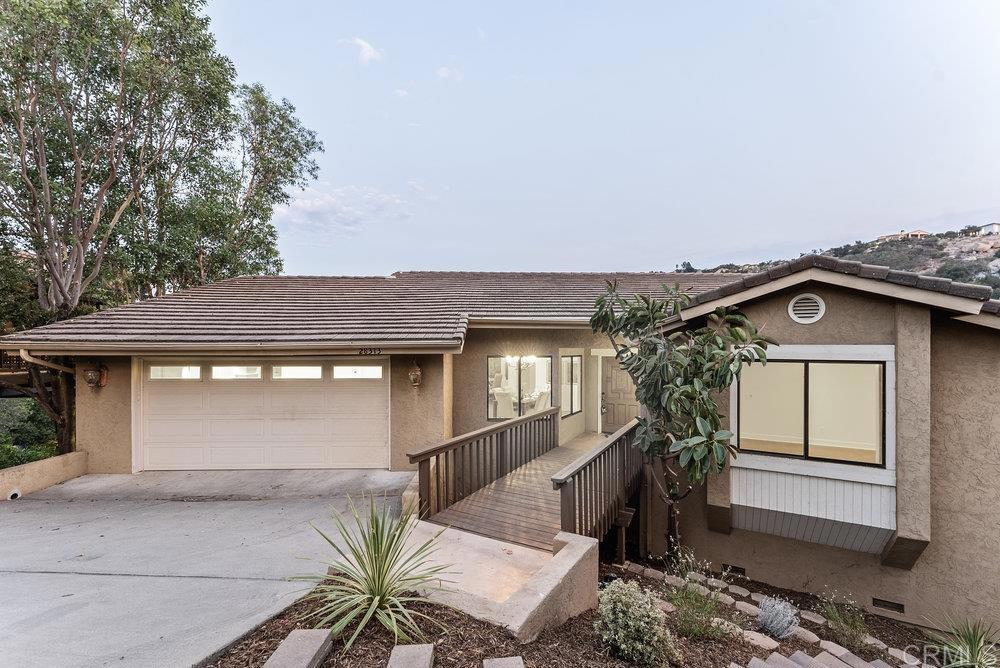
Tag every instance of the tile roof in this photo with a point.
(874, 272)
(416, 309)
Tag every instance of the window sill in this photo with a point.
(569, 415)
(830, 470)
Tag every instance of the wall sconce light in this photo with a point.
(416, 374)
(96, 377)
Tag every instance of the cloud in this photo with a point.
(482, 35)
(321, 215)
(366, 52)
(449, 73)
(401, 92)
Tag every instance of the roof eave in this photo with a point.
(98, 348)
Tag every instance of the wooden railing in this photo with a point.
(451, 471)
(594, 489)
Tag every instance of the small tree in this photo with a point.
(677, 376)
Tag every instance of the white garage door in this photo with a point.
(265, 414)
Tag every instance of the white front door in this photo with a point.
(265, 414)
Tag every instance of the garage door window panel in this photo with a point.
(356, 372)
(174, 372)
(296, 372)
(236, 373)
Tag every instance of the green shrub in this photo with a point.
(376, 576)
(776, 617)
(11, 455)
(630, 622)
(845, 620)
(694, 613)
(967, 644)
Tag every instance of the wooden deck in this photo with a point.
(520, 507)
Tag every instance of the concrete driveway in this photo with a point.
(161, 569)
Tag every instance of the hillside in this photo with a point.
(954, 255)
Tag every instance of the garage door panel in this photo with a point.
(174, 430)
(292, 429)
(265, 423)
(236, 429)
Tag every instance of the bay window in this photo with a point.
(814, 409)
(517, 385)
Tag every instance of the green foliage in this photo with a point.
(24, 424)
(679, 374)
(967, 644)
(694, 613)
(845, 620)
(11, 455)
(630, 622)
(376, 575)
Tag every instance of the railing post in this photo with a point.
(567, 505)
(424, 487)
(503, 452)
(554, 431)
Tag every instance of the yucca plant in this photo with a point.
(967, 644)
(375, 575)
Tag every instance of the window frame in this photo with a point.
(578, 409)
(805, 456)
(520, 396)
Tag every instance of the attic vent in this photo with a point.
(806, 309)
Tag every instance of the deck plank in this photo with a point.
(520, 507)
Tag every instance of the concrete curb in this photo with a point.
(36, 476)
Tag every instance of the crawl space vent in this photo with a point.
(806, 309)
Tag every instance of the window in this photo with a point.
(571, 386)
(236, 373)
(833, 411)
(357, 372)
(517, 386)
(174, 372)
(296, 372)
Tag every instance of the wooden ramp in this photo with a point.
(521, 507)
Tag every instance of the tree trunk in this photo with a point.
(55, 393)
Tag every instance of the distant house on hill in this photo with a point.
(903, 234)
(989, 228)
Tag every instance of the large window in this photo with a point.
(517, 386)
(833, 411)
(571, 384)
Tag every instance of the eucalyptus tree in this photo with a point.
(678, 374)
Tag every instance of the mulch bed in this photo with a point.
(464, 641)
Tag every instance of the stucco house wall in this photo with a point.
(104, 417)
(948, 465)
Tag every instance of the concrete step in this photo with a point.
(757, 663)
(854, 661)
(879, 663)
(806, 661)
(780, 661)
(412, 656)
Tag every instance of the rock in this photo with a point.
(506, 662)
(652, 573)
(812, 617)
(875, 642)
(724, 598)
(673, 580)
(727, 626)
(760, 640)
(636, 568)
(302, 648)
(757, 596)
(805, 635)
(667, 607)
(739, 591)
(832, 648)
(716, 584)
(704, 591)
(695, 576)
(903, 657)
(747, 608)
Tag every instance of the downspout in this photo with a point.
(28, 357)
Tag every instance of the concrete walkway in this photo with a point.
(161, 569)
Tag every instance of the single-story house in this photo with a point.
(870, 443)
(988, 229)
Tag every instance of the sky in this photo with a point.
(632, 136)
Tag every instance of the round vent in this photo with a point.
(806, 309)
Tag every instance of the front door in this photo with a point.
(618, 404)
